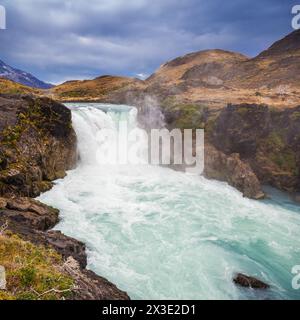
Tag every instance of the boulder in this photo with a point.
(249, 282)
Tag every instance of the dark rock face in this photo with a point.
(90, 286)
(253, 124)
(29, 212)
(232, 170)
(66, 246)
(268, 140)
(249, 282)
(37, 144)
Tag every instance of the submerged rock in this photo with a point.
(249, 282)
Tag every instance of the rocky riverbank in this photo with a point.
(267, 140)
(246, 145)
(37, 146)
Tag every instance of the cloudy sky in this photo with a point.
(59, 40)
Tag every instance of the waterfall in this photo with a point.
(161, 234)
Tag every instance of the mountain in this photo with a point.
(211, 78)
(218, 77)
(21, 77)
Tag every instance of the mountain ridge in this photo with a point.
(21, 77)
(213, 78)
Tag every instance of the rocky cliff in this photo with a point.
(37, 144)
(267, 139)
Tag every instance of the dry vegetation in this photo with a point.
(32, 272)
(98, 89)
(12, 88)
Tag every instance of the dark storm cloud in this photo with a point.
(66, 39)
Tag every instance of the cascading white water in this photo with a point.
(161, 234)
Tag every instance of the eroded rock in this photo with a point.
(231, 169)
(30, 212)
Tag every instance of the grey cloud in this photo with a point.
(63, 39)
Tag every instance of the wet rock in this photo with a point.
(249, 282)
(231, 169)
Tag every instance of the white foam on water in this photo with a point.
(162, 234)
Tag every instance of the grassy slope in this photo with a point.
(32, 272)
(11, 88)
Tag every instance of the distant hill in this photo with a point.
(211, 78)
(100, 89)
(11, 88)
(217, 77)
(21, 77)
